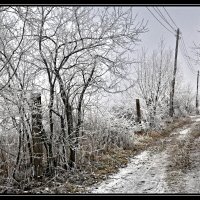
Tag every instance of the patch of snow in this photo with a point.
(191, 179)
(181, 132)
(197, 120)
(192, 182)
(184, 133)
(144, 174)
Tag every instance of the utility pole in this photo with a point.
(197, 101)
(171, 103)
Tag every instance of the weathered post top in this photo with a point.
(36, 102)
(36, 97)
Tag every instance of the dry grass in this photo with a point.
(98, 164)
(180, 158)
(152, 137)
(106, 164)
(112, 159)
(179, 162)
(177, 123)
(109, 162)
(179, 155)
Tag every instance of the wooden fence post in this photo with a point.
(138, 119)
(37, 135)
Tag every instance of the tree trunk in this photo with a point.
(68, 113)
(72, 157)
(50, 158)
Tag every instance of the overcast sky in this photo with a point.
(187, 18)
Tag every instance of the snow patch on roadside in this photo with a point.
(184, 133)
(181, 133)
(193, 116)
(197, 120)
(192, 178)
(144, 174)
(192, 182)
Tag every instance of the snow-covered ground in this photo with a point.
(146, 173)
(184, 133)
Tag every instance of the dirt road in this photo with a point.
(160, 169)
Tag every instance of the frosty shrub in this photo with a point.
(101, 134)
(155, 119)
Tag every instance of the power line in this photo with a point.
(163, 17)
(170, 17)
(183, 48)
(159, 21)
(184, 53)
(187, 63)
(185, 57)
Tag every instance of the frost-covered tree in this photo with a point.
(153, 80)
(69, 54)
